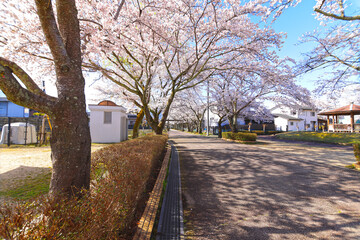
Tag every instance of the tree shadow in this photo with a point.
(237, 191)
(16, 177)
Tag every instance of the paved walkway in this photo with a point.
(274, 190)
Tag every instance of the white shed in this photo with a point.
(18, 132)
(108, 122)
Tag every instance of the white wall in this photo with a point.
(113, 132)
(280, 123)
(308, 119)
(304, 114)
(297, 125)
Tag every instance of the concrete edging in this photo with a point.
(147, 220)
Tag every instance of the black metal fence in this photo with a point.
(42, 133)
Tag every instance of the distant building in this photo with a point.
(131, 120)
(108, 122)
(10, 109)
(300, 119)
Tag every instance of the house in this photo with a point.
(291, 119)
(108, 122)
(10, 109)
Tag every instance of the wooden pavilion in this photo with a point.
(333, 118)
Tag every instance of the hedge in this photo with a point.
(241, 136)
(119, 177)
(356, 147)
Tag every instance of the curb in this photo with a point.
(147, 220)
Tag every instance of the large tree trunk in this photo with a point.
(70, 150)
(199, 128)
(233, 123)
(138, 121)
(220, 130)
(70, 140)
(157, 126)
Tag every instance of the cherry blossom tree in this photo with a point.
(338, 43)
(52, 27)
(190, 106)
(235, 92)
(162, 48)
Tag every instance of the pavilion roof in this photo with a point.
(346, 110)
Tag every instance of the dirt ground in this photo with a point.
(19, 163)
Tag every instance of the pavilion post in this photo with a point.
(333, 122)
(328, 122)
(352, 121)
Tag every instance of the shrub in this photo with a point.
(119, 177)
(356, 147)
(261, 132)
(241, 136)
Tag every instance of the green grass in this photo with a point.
(30, 187)
(141, 132)
(324, 137)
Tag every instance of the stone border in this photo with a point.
(147, 220)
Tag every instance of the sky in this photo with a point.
(295, 21)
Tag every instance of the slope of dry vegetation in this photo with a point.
(120, 175)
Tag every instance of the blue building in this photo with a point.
(9, 109)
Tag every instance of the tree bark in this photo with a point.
(156, 125)
(70, 140)
(70, 149)
(233, 123)
(137, 124)
(220, 130)
(199, 127)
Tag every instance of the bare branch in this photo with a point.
(341, 17)
(119, 9)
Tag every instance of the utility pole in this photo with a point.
(208, 109)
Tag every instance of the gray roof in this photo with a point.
(287, 117)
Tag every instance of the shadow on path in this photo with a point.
(236, 191)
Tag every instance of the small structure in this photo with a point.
(10, 109)
(108, 122)
(342, 119)
(20, 133)
(285, 122)
(300, 119)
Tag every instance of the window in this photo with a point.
(107, 117)
(291, 123)
(312, 114)
(293, 113)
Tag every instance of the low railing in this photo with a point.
(343, 128)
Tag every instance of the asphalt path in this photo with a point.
(272, 190)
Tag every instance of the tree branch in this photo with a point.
(343, 17)
(51, 31)
(23, 76)
(119, 9)
(21, 96)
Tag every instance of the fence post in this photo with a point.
(26, 130)
(9, 129)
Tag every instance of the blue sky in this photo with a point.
(297, 21)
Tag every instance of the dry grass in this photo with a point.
(120, 174)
